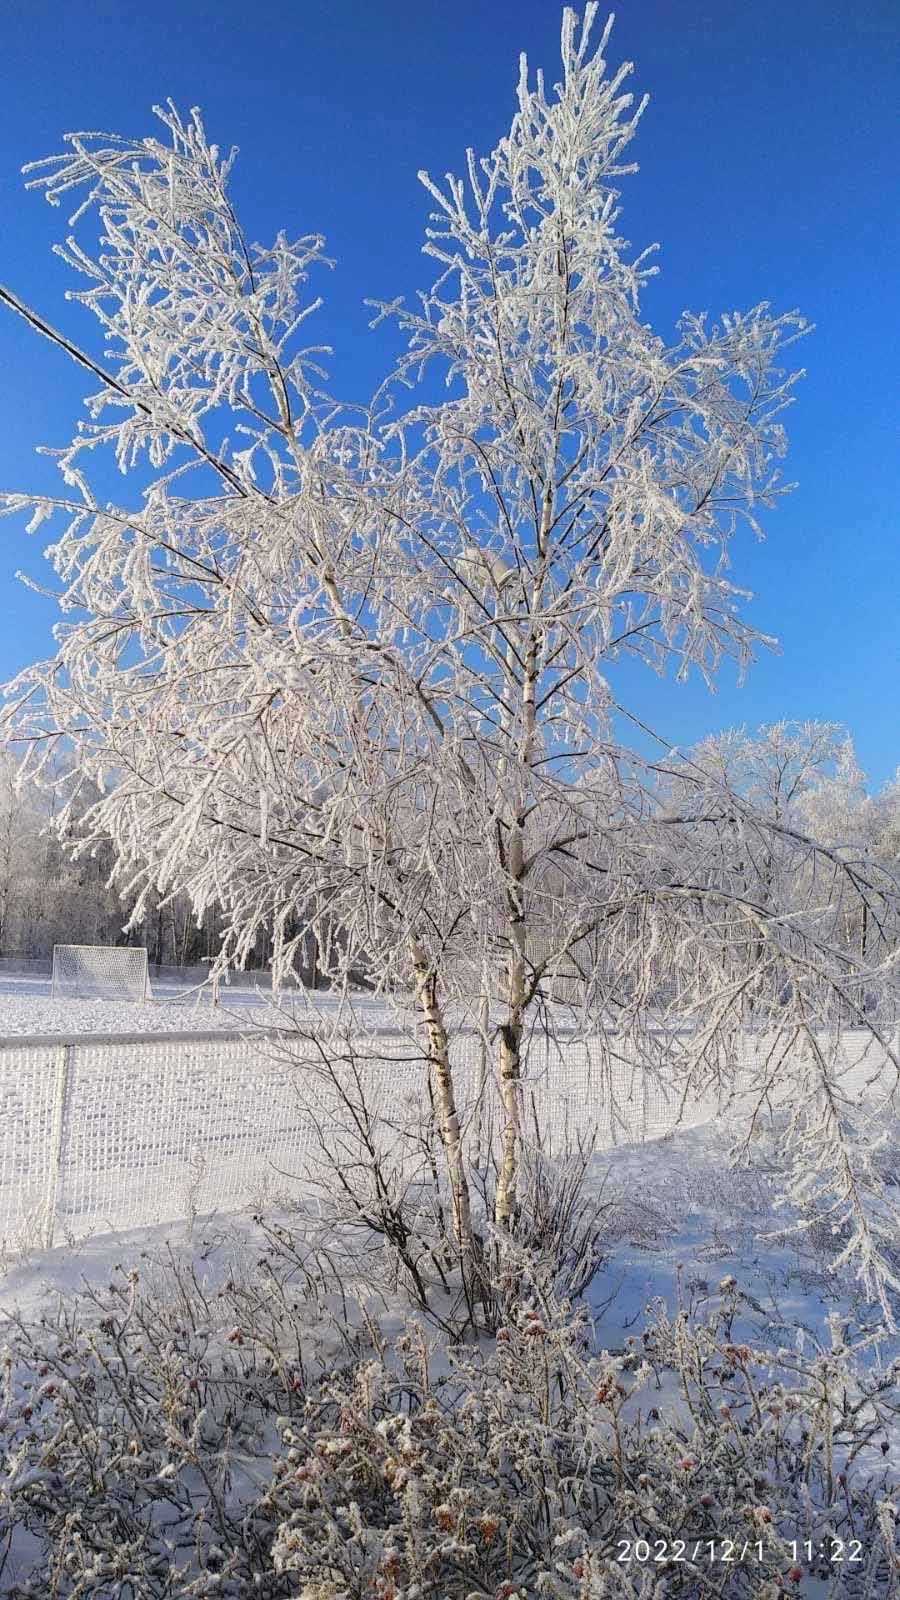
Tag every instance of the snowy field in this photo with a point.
(23, 1015)
(26, 1008)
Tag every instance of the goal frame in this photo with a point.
(96, 985)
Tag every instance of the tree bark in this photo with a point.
(510, 1079)
(442, 1079)
(484, 1026)
(511, 1032)
(511, 1045)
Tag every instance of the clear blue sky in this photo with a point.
(768, 171)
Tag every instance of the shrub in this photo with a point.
(136, 1433)
(530, 1466)
(165, 1440)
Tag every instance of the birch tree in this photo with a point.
(804, 778)
(352, 670)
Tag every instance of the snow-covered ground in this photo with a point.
(23, 1015)
(681, 1217)
(27, 1008)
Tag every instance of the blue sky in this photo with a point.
(768, 171)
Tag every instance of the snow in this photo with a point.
(683, 1218)
(27, 1009)
(693, 1218)
(39, 1279)
(22, 1015)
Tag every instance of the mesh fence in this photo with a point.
(110, 1132)
(97, 971)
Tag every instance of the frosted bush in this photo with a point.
(171, 1441)
(136, 1431)
(533, 1467)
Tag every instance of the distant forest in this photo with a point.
(48, 898)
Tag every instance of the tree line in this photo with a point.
(50, 896)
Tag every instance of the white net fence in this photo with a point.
(110, 1132)
(99, 972)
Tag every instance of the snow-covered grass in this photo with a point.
(687, 1217)
(27, 1008)
(27, 1015)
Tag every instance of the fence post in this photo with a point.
(64, 1061)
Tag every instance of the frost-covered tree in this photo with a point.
(803, 777)
(45, 897)
(780, 766)
(887, 823)
(353, 669)
(53, 891)
(794, 778)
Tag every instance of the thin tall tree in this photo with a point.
(353, 670)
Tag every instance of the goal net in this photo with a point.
(99, 972)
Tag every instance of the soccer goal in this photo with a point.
(99, 972)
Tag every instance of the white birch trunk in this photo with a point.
(511, 1051)
(448, 1116)
(511, 1032)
